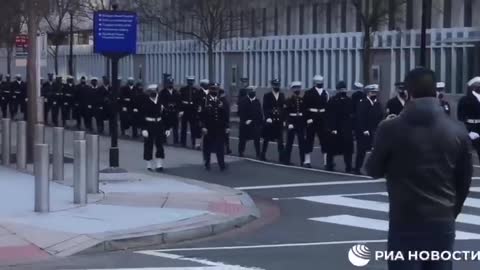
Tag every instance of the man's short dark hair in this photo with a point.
(421, 82)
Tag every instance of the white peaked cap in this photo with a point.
(94, 79)
(131, 79)
(318, 78)
(69, 77)
(152, 87)
(473, 81)
(205, 81)
(440, 85)
(372, 87)
(358, 85)
(190, 78)
(18, 75)
(251, 87)
(296, 84)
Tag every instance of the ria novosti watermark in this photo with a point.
(360, 255)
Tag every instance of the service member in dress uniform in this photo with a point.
(294, 110)
(340, 127)
(188, 111)
(56, 99)
(200, 102)
(395, 105)
(136, 122)
(215, 123)
(79, 101)
(18, 93)
(359, 93)
(224, 98)
(274, 114)
(4, 96)
(88, 100)
(153, 128)
(242, 93)
(251, 120)
(369, 114)
(99, 96)
(171, 100)
(125, 98)
(441, 97)
(468, 112)
(46, 92)
(68, 99)
(315, 101)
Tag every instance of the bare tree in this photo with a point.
(57, 25)
(11, 22)
(207, 21)
(374, 14)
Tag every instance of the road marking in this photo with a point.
(475, 189)
(173, 268)
(212, 265)
(378, 224)
(303, 168)
(350, 182)
(476, 166)
(307, 244)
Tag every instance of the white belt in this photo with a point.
(17, 92)
(152, 119)
(54, 103)
(65, 103)
(126, 99)
(473, 121)
(68, 95)
(316, 110)
(59, 94)
(14, 96)
(100, 108)
(186, 102)
(135, 110)
(296, 114)
(6, 91)
(89, 106)
(124, 109)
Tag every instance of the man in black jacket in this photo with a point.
(368, 116)
(56, 99)
(3, 96)
(274, 112)
(440, 95)
(251, 118)
(68, 99)
(18, 90)
(171, 100)
(188, 111)
(426, 159)
(396, 104)
(468, 112)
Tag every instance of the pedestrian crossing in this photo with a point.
(377, 202)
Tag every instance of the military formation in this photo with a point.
(342, 124)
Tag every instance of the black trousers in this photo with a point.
(476, 146)
(99, 117)
(315, 129)
(135, 123)
(243, 142)
(347, 158)
(172, 123)
(188, 119)
(364, 144)
(77, 115)
(55, 113)
(406, 242)
(4, 107)
(87, 117)
(13, 108)
(124, 119)
(299, 132)
(214, 143)
(46, 110)
(66, 112)
(155, 137)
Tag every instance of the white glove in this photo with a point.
(248, 122)
(168, 132)
(473, 135)
(145, 133)
(204, 131)
(309, 121)
(334, 132)
(391, 116)
(227, 131)
(269, 120)
(366, 133)
(180, 114)
(290, 126)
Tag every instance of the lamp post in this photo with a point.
(426, 18)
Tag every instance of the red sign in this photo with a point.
(21, 45)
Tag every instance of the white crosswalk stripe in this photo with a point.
(355, 201)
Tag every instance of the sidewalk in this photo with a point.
(139, 210)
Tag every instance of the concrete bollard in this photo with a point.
(42, 185)
(93, 173)
(58, 154)
(78, 136)
(39, 134)
(21, 145)
(40, 110)
(6, 141)
(80, 172)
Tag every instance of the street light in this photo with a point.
(426, 18)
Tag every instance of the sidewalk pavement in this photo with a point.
(139, 210)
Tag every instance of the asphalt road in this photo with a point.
(310, 220)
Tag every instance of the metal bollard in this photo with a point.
(21, 145)
(42, 185)
(39, 133)
(58, 154)
(80, 172)
(93, 154)
(78, 136)
(6, 142)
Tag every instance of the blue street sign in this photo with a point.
(115, 32)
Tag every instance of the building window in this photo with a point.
(231, 24)
(447, 14)
(410, 14)
(468, 13)
(289, 20)
(343, 21)
(275, 21)
(315, 19)
(301, 18)
(242, 24)
(329, 17)
(264, 22)
(358, 14)
(253, 23)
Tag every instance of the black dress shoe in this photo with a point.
(150, 169)
(223, 168)
(207, 166)
(357, 172)
(307, 165)
(159, 169)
